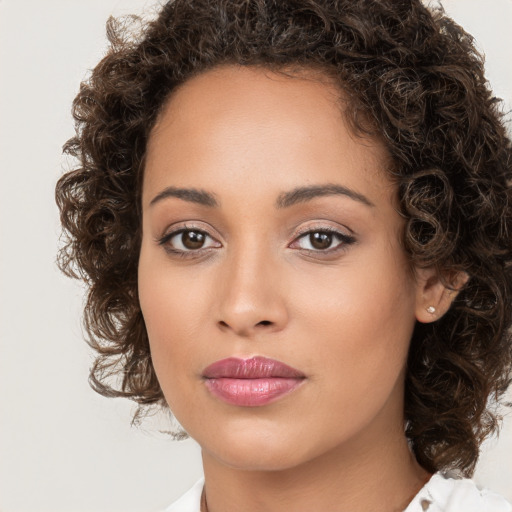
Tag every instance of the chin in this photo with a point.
(267, 448)
(258, 458)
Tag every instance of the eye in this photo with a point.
(188, 240)
(322, 240)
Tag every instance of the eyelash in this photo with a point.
(344, 241)
(164, 241)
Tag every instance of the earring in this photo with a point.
(431, 310)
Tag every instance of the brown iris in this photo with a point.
(320, 240)
(193, 239)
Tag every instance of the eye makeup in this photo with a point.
(189, 241)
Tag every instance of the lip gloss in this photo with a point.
(251, 382)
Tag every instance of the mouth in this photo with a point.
(251, 382)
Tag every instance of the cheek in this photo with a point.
(373, 293)
(173, 306)
(362, 321)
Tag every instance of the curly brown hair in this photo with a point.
(415, 80)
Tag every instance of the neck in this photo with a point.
(365, 474)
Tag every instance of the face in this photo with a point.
(270, 231)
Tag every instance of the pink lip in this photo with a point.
(251, 382)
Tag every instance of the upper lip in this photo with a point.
(254, 368)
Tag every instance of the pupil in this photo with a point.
(320, 240)
(192, 239)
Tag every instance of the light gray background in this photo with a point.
(62, 448)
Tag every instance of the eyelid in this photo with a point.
(321, 226)
(188, 225)
(346, 239)
(177, 229)
(344, 234)
(326, 226)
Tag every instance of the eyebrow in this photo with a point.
(304, 194)
(192, 195)
(284, 200)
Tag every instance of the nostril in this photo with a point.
(242, 328)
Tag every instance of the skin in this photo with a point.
(343, 315)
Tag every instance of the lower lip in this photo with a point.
(251, 392)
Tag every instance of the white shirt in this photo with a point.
(440, 494)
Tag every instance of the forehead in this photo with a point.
(241, 87)
(246, 124)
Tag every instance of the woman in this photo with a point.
(294, 219)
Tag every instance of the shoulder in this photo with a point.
(190, 501)
(445, 494)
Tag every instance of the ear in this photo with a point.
(435, 295)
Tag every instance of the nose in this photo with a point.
(252, 295)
